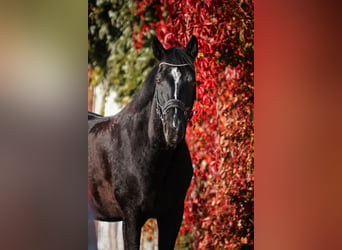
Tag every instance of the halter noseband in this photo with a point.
(172, 103)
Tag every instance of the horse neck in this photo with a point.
(145, 101)
(144, 117)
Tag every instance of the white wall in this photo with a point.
(111, 107)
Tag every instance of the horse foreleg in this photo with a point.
(92, 241)
(168, 227)
(131, 232)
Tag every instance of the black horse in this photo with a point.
(139, 165)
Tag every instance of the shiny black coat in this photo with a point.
(133, 173)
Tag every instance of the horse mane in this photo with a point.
(145, 95)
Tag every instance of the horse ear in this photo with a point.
(158, 49)
(192, 47)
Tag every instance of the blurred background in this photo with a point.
(43, 143)
(219, 208)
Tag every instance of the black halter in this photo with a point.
(172, 103)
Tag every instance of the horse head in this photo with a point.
(175, 88)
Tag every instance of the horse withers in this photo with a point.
(139, 165)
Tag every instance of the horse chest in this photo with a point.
(163, 191)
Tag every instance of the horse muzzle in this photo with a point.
(174, 131)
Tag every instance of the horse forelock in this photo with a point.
(178, 56)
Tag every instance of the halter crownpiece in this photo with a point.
(172, 103)
(176, 65)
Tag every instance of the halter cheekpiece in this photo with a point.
(172, 103)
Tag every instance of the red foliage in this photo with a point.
(220, 202)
